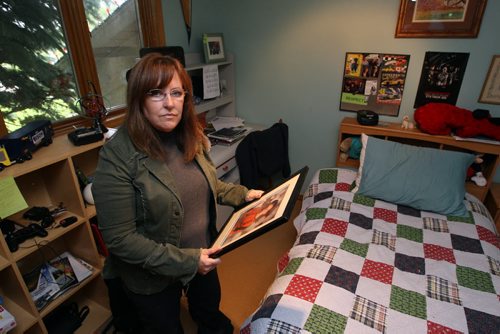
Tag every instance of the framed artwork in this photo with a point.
(213, 48)
(373, 81)
(491, 87)
(441, 77)
(440, 18)
(260, 216)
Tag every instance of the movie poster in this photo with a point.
(441, 78)
(373, 81)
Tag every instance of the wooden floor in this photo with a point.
(246, 272)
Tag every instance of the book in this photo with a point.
(7, 321)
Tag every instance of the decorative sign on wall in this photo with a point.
(373, 81)
(441, 78)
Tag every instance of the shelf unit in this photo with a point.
(393, 132)
(223, 105)
(47, 180)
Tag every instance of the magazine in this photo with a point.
(52, 279)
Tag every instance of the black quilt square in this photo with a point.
(480, 322)
(466, 244)
(322, 196)
(342, 278)
(411, 264)
(409, 211)
(361, 220)
(308, 238)
(267, 308)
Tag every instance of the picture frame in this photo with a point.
(373, 81)
(213, 47)
(441, 77)
(440, 18)
(490, 93)
(260, 216)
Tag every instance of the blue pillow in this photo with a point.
(424, 178)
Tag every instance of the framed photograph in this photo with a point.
(491, 87)
(260, 216)
(440, 18)
(373, 81)
(213, 48)
(441, 77)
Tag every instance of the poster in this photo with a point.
(441, 77)
(373, 81)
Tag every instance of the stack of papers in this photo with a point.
(221, 122)
(228, 135)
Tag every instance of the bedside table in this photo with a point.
(492, 202)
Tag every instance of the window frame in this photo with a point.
(84, 66)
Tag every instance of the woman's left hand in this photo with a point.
(253, 194)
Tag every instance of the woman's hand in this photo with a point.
(253, 194)
(206, 263)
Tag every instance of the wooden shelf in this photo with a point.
(393, 132)
(48, 180)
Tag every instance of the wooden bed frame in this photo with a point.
(393, 131)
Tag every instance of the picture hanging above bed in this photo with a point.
(441, 78)
(373, 81)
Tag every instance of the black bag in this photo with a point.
(66, 319)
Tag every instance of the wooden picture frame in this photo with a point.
(213, 47)
(254, 219)
(490, 93)
(452, 18)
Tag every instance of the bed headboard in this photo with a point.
(393, 132)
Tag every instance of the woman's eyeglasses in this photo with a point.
(159, 95)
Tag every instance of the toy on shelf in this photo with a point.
(444, 119)
(475, 174)
(350, 147)
(407, 124)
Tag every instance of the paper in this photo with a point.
(211, 86)
(221, 122)
(11, 199)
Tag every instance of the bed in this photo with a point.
(362, 264)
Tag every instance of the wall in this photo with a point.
(290, 54)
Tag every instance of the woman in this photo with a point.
(155, 191)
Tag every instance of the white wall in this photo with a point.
(290, 54)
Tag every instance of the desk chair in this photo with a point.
(263, 155)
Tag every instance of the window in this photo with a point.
(63, 61)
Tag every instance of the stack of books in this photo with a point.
(228, 136)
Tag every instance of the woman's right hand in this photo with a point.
(206, 263)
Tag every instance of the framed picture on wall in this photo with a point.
(440, 18)
(213, 47)
(441, 77)
(373, 81)
(491, 87)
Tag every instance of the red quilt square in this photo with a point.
(378, 271)
(283, 262)
(335, 226)
(433, 328)
(342, 186)
(386, 215)
(488, 236)
(439, 253)
(303, 287)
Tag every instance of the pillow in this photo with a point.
(424, 178)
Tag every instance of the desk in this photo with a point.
(223, 157)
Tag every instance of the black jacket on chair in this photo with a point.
(262, 154)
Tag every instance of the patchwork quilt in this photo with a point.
(360, 265)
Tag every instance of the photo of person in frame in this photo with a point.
(256, 216)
